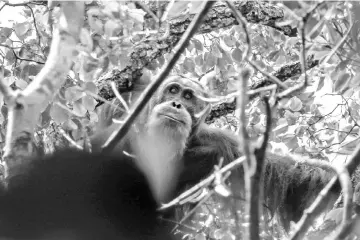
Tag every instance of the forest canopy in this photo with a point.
(62, 62)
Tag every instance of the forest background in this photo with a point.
(124, 45)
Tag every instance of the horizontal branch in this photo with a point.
(283, 74)
(149, 49)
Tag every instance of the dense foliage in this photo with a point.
(126, 40)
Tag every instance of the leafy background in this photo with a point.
(120, 38)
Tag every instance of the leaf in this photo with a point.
(91, 87)
(200, 236)
(137, 15)
(295, 104)
(335, 215)
(69, 125)
(350, 144)
(79, 124)
(161, 61)
(58, 114)
(10, 57)
(221, 63)
(292, 142)
(254, 118)
(189, 65)
(152, 65)
(9, 80)
(79, 108)
(215, 51)
(73, 93)
(45, 117)
(177, 9)
(341, 82)
(2, 119)
(290, 117)
(334, 36)
(226, 56)
(273, 55)
(34, 69)
(110, 26)
(260, 63)
(229, 40)
(199, 60)
(237, 55)
(24, 74)
(7, 73)
(320, 83)
(319, 51)
(85, 39)
(21, 83)
(355, 80)
(317, 31)
(281, 59)
(198, 45)
(125, 60)
(210, 60)
(5, 34)
(89, 103)
(146, 77)
(88, 70)
(195, 7)
(95, 24)
(21, 29)
(93, 117)
(282, 126)
(347, 92)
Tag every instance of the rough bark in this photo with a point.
(284, 73)
(26, 106)
(147, 51)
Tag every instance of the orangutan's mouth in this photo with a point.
(173, 119)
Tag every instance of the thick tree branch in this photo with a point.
(283, 74)
(148, 50)
(26, 106)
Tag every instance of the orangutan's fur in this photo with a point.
(291, 186)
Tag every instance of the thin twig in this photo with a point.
(242, 102)
(97, 97)
(35, 25)
(250, 166)
(194, 209)
(118, 96)
(203, 183)
(150, 90)
(243, 22)
(147, 10)
(338, 45)
(247, 54)
(19, 58)
(267, 129)
(266, 74)
(303, 62)
(262, 89)
(166, 12)
(70, 140)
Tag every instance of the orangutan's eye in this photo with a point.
(174, 89)
(188, 95)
